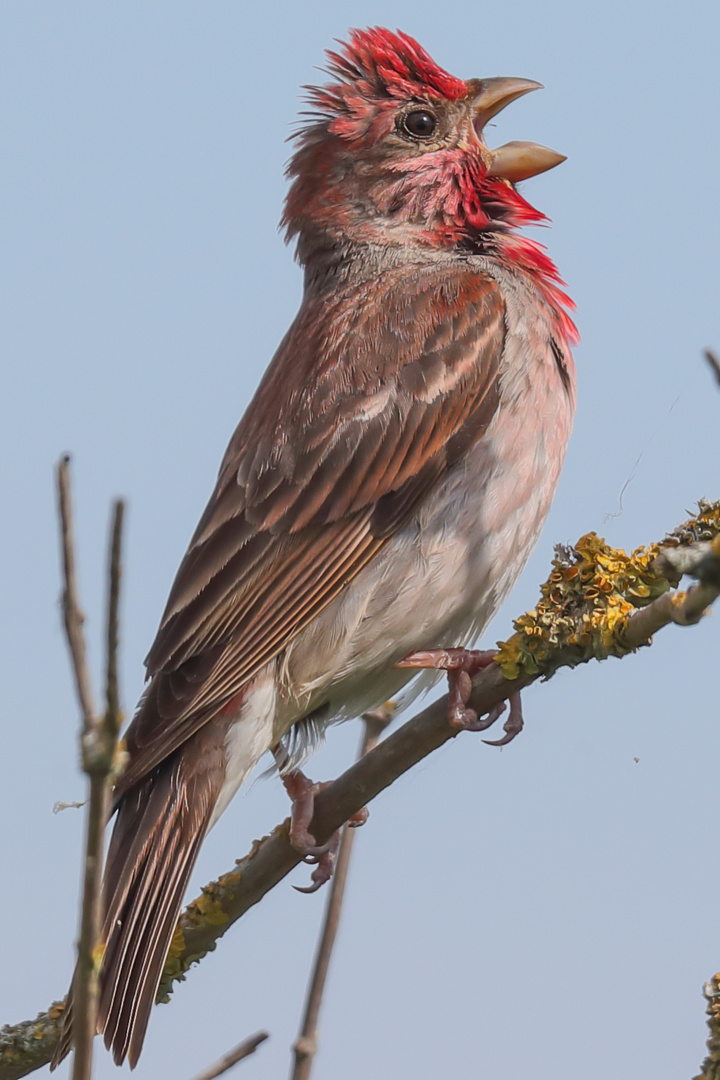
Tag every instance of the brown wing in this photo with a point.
(373, 395)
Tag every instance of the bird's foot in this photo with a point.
(325, 863)
(461, 665)
(302, 792)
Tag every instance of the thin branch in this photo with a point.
(713, 362)
(98, 741)
(72, 615)
(242, 1050)
(112, 697)
(374, 723)
(565, 629)
(85, 984)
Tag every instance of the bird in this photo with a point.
(381, 492)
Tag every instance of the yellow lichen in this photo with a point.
(254, 847)
(207, 909)
(711, 1065)
(585, 603)
(98, 954)
(177, 947)
(176, 964)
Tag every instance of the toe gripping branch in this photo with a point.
(302, 792)
(461, 665)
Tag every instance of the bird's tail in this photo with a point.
(160, 825)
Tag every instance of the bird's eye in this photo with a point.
(420, 123)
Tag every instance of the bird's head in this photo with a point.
(394, 152)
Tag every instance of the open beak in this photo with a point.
(514, 161)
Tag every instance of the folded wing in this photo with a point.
(374, 394)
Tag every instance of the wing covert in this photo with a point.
(356, 419)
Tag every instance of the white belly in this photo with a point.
(439, 582)
(441, 579)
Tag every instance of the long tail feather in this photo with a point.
(160, 825)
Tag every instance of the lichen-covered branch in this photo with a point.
(587, 610)
(600, 601)
(710, 1068)
(711, 1064)
(29, 1045)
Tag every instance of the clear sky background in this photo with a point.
(548, 911)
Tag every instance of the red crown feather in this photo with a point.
(376, 65)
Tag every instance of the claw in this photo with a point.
(512, 726)
(308, 889)
(302, 792)
(325, 864)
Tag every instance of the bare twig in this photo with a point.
(112, 697)
(305, 1047)
(98, 741)
(713, 362)
(242, 1050)
(72, 615)
(29, 1045)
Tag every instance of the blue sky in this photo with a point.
(545, 911)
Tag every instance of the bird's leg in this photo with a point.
(461, 665)
(302, 792)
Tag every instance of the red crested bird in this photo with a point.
(381, 493)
